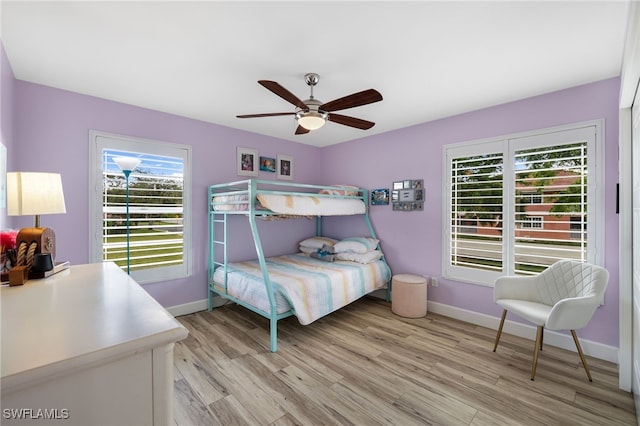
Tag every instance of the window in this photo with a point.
(532, 222)
(578, 226)
(158, 201)
(517, 204)
(532, 198)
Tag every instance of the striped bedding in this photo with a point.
(313, 288)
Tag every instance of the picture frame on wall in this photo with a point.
(408, 195)
(3, 176)
(268, 164)
(380, 197)
(247, 162)
(284, 167)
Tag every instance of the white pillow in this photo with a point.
(367, 257)
(356, 245)
(317, 242)
(307, 250)
(341, 190)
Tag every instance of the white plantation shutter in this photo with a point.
(476, 211)
(159, 213)
(556, 228)
(156, 211)
(518, 204)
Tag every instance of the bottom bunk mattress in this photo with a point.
(310, 287)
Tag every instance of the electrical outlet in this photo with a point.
(434, 282)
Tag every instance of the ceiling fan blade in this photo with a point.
(268, 114)
(283, 93)
(301, 130)
(351, 121)
(356, 99)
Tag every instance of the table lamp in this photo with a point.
(31, 193)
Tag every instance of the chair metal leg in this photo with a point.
(536, 349)
(582, 358)
(504, 315)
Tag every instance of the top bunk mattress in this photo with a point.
(291, 205)
(311, 205)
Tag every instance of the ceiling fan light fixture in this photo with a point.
(311, 120)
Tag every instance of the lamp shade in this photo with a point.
(31, 193)
(126, 164)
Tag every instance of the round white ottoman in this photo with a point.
(409, 295)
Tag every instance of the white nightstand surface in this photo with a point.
(79, 317)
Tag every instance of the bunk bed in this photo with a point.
(303, 284)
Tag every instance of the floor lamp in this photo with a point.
(127, 164)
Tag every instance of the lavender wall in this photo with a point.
(52, 134)
(412, 241)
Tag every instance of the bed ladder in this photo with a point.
(216, 219)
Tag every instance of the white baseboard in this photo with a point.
(564, 341)
(560, 340)
(188, 308)
(197, 306)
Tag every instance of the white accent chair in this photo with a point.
(562, 297)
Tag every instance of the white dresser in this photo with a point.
(86, 346)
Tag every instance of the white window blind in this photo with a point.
(543, 233)
(156, 213)
(158, 201)
(516, 205)
(476, 211)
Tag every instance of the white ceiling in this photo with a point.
(202, 59)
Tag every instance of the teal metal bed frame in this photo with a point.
(251, 188)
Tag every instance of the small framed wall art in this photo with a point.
(247, 162)
(267, 164)
(408, 195)
(3, 177)
(284, 167)
(380, 197)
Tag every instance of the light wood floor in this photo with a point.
(363, 365)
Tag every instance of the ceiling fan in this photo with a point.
(312, 114)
